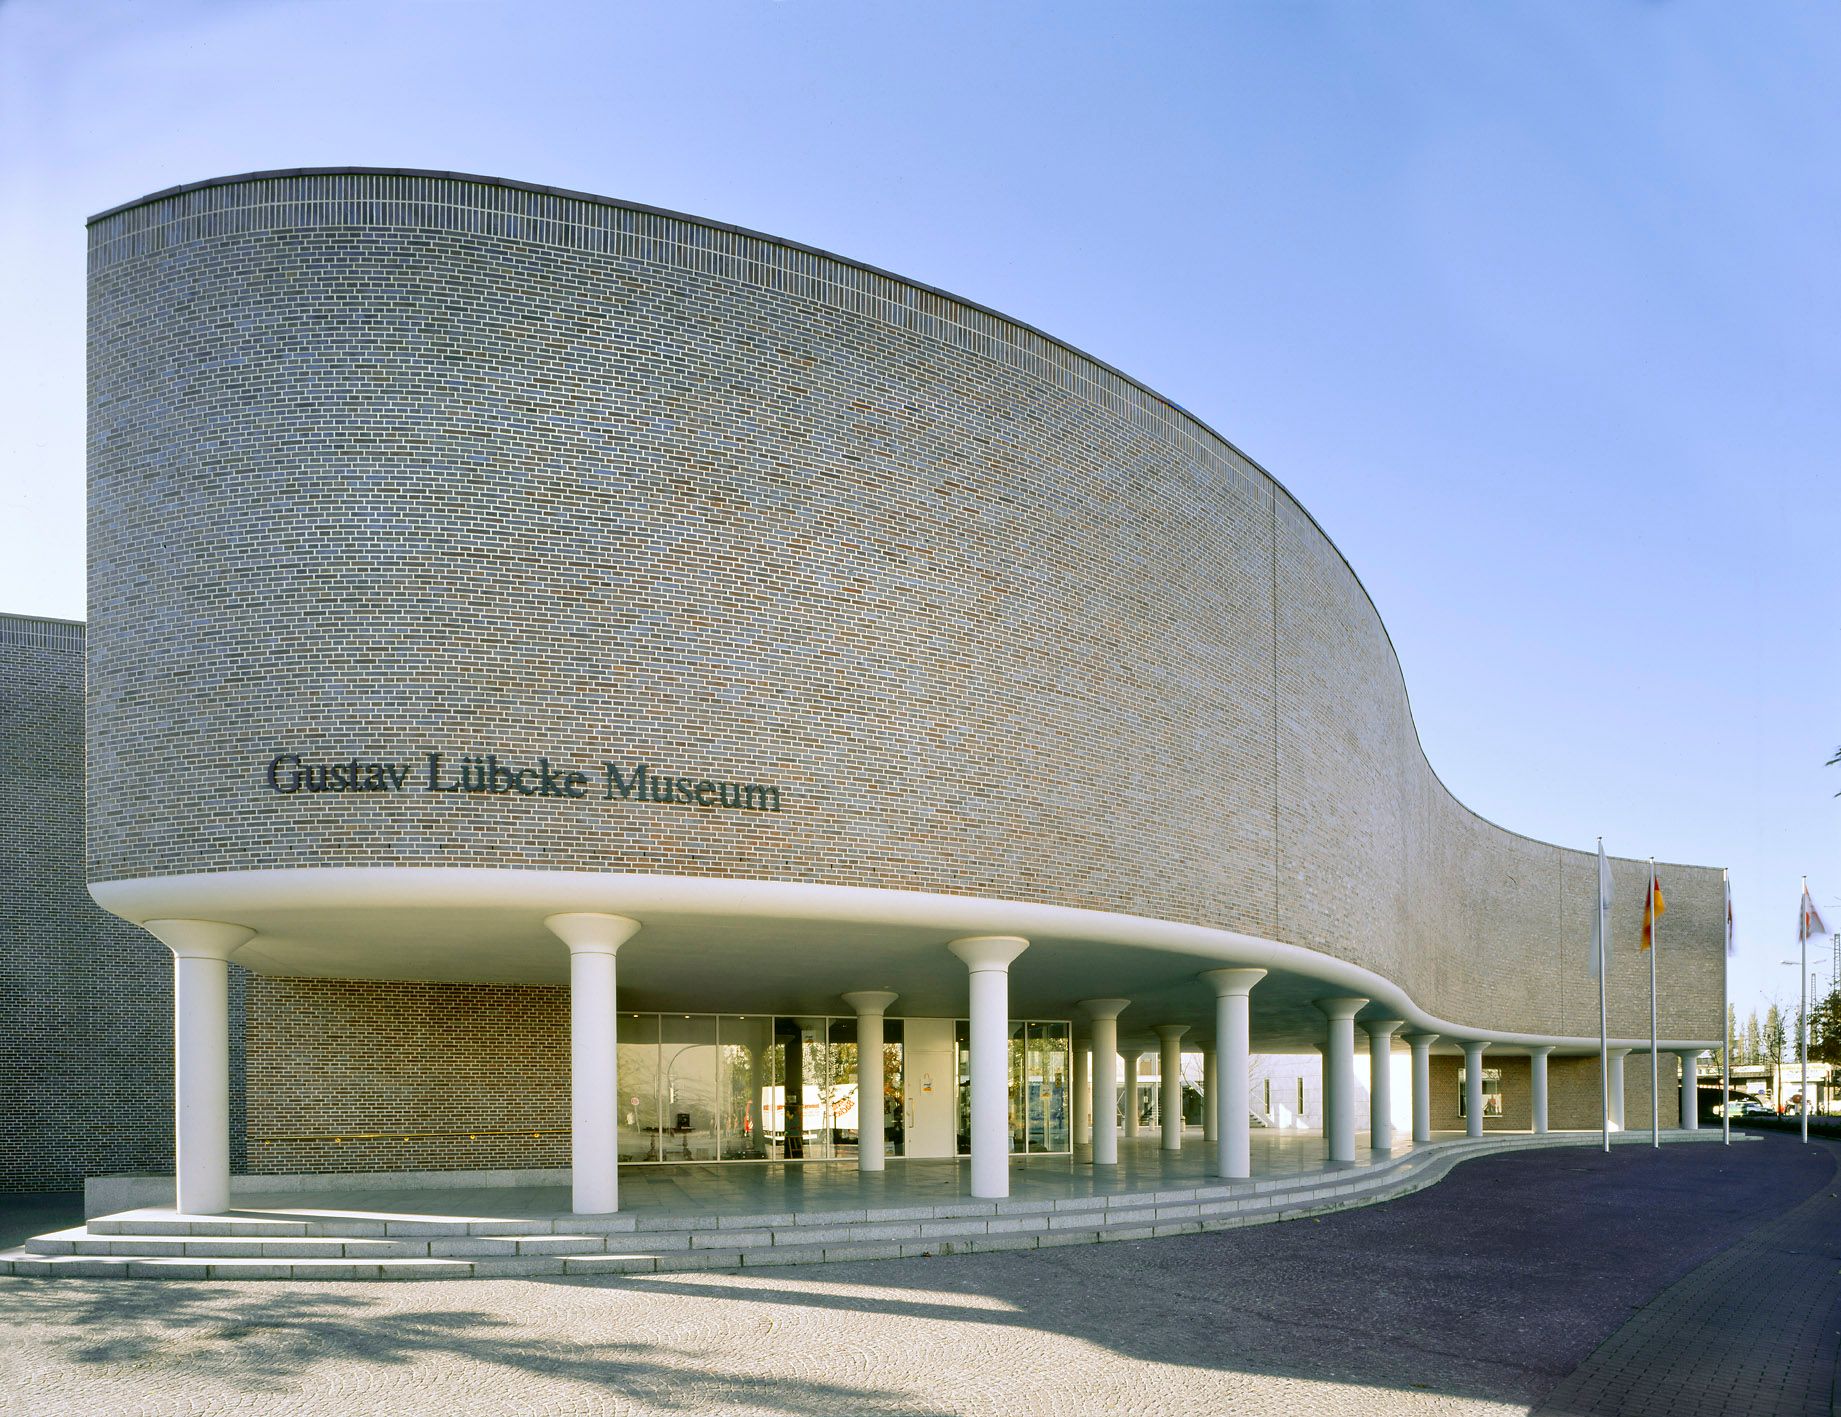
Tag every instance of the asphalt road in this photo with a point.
(1479, 1295)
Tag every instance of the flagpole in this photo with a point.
(1604, 1034)
(1725, 1026)
(1803, 1031)
(1655, 1062)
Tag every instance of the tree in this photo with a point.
(1773, 1035)
(1825, 1029)
(1753, 1044)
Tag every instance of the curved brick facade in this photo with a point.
(390, 464)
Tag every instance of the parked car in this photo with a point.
(1748, 1107)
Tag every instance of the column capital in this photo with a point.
(199, 939)
(1541, 1050)
(1617, 1052)
(1382, 1028)
(590, 933)
(1105, 1008)
(983, 953)
(1229, 982)
(1693, 1053)
(1419, 1038)
(1473, 1047)
(1337, 1009)
(1170, 1032)
(869, 1002)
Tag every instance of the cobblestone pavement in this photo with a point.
(1476, 1296)
(1757, 1328)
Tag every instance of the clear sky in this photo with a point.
(1534, 305)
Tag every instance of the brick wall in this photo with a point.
(391, 464)
(351, 1076)
(1517, 1100)
(86, 1033)
(1574, 1093)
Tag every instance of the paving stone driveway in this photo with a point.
(1477, 1296)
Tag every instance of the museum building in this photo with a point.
(579, 686)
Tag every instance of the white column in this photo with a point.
(1105, 1015)
(1473, 1086)
(1170, 1083)
(1421, 1044)
(1537, 1085)
(1211, 1097)
(1128, 1108)
(988, 958)
(1083, 1092)
(594, 1066)
(1616, 1057)
(201, 1059)
(870, 1005)
(1381, 1081)
(1234, 1045)
(1690, 1089)
(1339, 1077)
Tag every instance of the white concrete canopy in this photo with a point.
(723, 945)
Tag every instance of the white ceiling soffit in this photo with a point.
(712, 945)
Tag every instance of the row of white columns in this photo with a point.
(202, 948)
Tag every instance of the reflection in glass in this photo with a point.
(744, 1086)
(1049, 1079)
(1018, 1059)
(894, 1089)
(839, 1098)
(637, 1061)
(687, 1087)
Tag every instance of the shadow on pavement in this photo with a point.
(1493, 1285)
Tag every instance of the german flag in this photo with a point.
(1653, 907)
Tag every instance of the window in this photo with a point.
(1492, 1092)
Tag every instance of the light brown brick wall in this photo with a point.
(348, 1076)
(1574, 1094)
(539, 474)
(1517, 1101)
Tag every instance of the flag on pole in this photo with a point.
(1653, 907)
(1810, 924)
(1731, 937)
(1601, 941)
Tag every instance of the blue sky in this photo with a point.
(1534, 305)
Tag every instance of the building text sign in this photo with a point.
(487, 774)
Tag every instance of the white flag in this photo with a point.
(1601, 942)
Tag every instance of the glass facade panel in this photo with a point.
(745, 1086)
(687, 1087)
(1050, 1077)
(757, 1087)
(637, 1036)
(840, 1096)
(894, 1089)
(1040, 1064)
